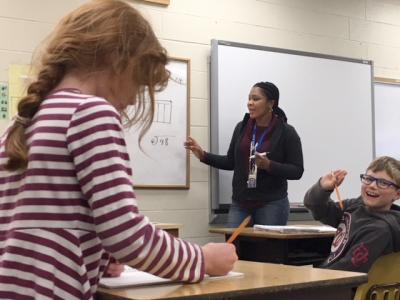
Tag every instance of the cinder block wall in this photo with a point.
(362, 29)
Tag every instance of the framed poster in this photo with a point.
(163, 162)
(163, 2)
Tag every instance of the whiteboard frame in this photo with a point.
(383, 81)
(216, 204)
(186, 184)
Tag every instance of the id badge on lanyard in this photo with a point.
(252, 179)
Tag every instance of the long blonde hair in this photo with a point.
(99, 35)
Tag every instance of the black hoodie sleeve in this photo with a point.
(225, 162)
(322, 207)
(292, 168)
(364, 250)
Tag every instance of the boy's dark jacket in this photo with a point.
(362, 236)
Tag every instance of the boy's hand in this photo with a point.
(335, 178)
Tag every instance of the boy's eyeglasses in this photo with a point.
(381, 183)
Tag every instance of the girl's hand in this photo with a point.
(219, 258)
(114, 269)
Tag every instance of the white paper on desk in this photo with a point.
(134, 277)
(296, 228)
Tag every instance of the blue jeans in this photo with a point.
(272, 213)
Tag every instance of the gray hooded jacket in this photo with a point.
(362, 236)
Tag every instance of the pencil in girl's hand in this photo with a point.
(337, 193)
(239, 229)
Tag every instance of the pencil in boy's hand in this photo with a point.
(337, 193)
(239, 229)
(338, 196)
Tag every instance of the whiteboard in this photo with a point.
(327, 99)
(164, 162)
(387, 118)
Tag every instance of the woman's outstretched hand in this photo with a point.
(193, 146)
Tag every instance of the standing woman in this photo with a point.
(264, 153)
(66, 198)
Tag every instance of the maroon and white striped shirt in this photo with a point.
(74, 206)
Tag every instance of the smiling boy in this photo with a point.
(368, 226)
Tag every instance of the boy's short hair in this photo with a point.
(388, 164)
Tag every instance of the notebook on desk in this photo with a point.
(296, 228)
(131, 277)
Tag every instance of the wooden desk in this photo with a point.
(260, 281)
(284, 248)
(171, 228)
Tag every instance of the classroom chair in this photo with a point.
(383, 280)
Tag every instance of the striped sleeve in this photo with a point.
(96, 143)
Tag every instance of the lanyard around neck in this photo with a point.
(261, 139)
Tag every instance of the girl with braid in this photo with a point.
(66, 199)
(265, 151)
